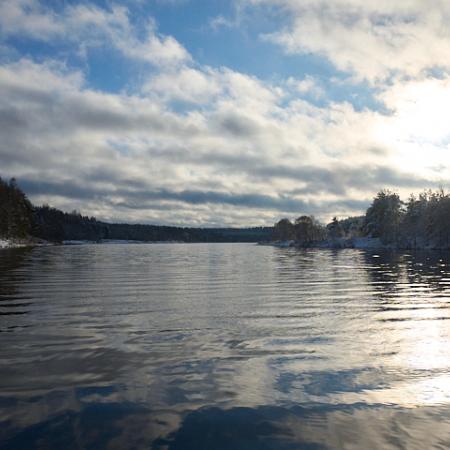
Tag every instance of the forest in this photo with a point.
(20, 219)
(421, 222)
(17, 217)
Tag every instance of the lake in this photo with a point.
(223, 347)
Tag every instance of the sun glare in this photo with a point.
(418, 132)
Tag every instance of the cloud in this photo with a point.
(143, 199)
(234, 20)
(307, 86)
(201, 145)
(248, 158)
(29, 17)
(88, 26)
(186, 84)
(370, 40)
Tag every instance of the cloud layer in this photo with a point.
(369, 39)
(192, 144)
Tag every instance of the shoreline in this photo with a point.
(6, 244)
(360, 243)
(11, 243)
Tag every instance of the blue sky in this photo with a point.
(223, 112)
(214, 32)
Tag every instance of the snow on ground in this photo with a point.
(9, 243)
(5, 243)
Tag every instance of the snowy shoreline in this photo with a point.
(9, 243)
(363, 243)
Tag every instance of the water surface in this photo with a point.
(223, 346)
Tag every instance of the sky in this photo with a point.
(223, 113)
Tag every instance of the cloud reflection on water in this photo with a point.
(223, 346)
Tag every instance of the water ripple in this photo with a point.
(223, 346)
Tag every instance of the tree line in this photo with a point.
(423, 221)
(56, 225)
(420, 222)
(20, 219)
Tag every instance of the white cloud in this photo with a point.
(186, 84)
(221, 22)
(90, 26)
(247, 158)
(307, 86)
(29, 17)
(370, 39)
